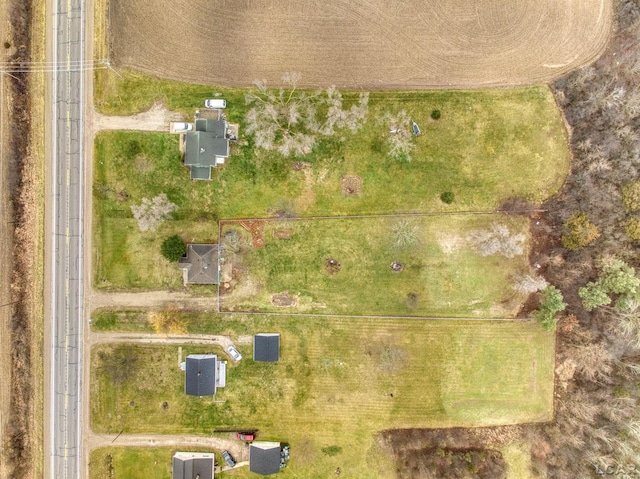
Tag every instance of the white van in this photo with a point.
(181, 126)
(212, 103)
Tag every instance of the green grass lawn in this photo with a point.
(131, 463)
(340, 375)
(442, 276)
(488, 146)
(106, 319)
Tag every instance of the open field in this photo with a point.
(442, 275)
(357, 44)
(338, 375)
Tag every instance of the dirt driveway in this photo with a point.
(372, 44)
(157, 118)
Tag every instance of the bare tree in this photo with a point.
(529, 283)
(497, 240)
(153, 211)
(404, 234)
(400, 135)
(290, 120)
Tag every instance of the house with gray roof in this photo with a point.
(204, 373)
(200, 264)
(266, 347)
(193, 465)
(206, 147)
(264, 457)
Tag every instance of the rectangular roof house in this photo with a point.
(193, 465)
(264, 457)
(206, 147)
(200, 376)
(266, 347)
(200, 265)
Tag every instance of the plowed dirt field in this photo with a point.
(373, 44)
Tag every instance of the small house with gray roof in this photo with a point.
(264, 457)
(204, 373)
(206, 147)
(193, 465)
(200, 264)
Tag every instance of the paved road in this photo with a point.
(67, 219)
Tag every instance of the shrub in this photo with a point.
(447, 197)
(632, 227)
(581, 232)
(551, 303)
(631, 196)
(168, 321)
(173, 248)
(435, 114)
(593, 295)
(616, 277)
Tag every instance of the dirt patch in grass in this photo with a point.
(282, 234)
(360, 44)
(351, 185)
(332, 265)
(283, 300)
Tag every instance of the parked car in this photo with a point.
(235, 354)
(231, 462)
(213, 103)
(182, 126)
(245, 436)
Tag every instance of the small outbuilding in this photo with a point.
(264, 457)
(266, 347)
(203, 374)
(201, 264)
(193, 465)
